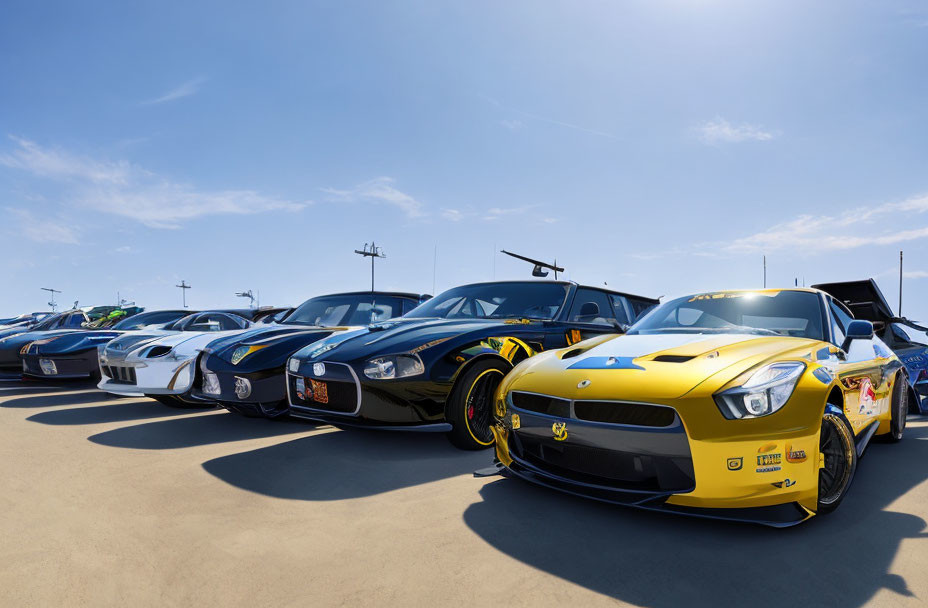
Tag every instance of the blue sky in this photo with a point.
(662, 147)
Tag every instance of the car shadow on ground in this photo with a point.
(184, 432)
(346, 464)
(653, 559)
(122, 411)
(50, 397)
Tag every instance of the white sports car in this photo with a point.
(162, 364)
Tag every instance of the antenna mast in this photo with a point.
(53, 292)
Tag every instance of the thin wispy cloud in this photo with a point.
(495, 213)
(720, 131)
(123, 189)
(452, 215)
(518, 124)
(191, 87)
(43, 229)
(849, 230)
(378, 191)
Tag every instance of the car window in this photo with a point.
(839, 323)
(523, 299)
(74, 320)
(592, 306)
(618, 306)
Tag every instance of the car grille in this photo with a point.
(541, 404)
(341, 391)
(609, 412)
(605, 467)
(613, 412)
(120, 374)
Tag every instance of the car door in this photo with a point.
(862, 371)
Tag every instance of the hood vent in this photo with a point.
(673, 358)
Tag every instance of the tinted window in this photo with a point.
(331, 311)
(149, 318)
(496, 301)
(592, 306)
(786, 313)
(618, 307)
(74, 320)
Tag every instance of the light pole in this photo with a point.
(372, 252)
(184, 287)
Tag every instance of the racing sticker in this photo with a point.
(867, 396)
(795, 455)
(735, 464)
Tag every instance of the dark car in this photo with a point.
(438, 367)
(906, 338)
(73, 354)
(12, 343)
(245, 372)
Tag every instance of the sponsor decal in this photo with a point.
(560, 431)
(765, 460)
(766, 448)
(770, 469)
(319, 369)
(583, 384)
(735, 464)
(866, 396)
(319, 391)
(786, 483)
(796, 455)
(516, 422)
(242, 387)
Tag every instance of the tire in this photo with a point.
(469, 408)
(836, 442)
(899, 409)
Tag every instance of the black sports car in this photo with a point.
(245, 372)
(438, 367)
(12, 343)
(73, 354)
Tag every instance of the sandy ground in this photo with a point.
(107, 501)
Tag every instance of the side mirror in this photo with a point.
(857, 330)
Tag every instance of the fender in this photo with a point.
(511, 350)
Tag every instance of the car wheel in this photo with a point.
(900, 409)
(836, 443)
(470, 405)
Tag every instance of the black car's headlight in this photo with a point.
(763, 393)
(390, 367)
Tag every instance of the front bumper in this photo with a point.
(152, 377)
(263, 392)
(771, 480)
(340, 396)
(78, 365)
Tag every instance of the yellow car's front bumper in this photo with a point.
(754, 470)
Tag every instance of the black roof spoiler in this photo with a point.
(863, 298)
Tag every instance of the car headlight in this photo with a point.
(243, 351)
(765, 391)
(293, 365)
(393, 366)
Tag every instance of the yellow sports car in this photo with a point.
(745, 405)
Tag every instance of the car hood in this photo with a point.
(650, 367)
(401, 335)
(185, 342)
(286, 337)
(17, 341)
(75, 341)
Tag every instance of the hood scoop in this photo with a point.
(673, 358)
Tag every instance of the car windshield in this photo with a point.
(149, 318)
(522, 300)
(780, 313)
(332, 311)
(48, 322)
